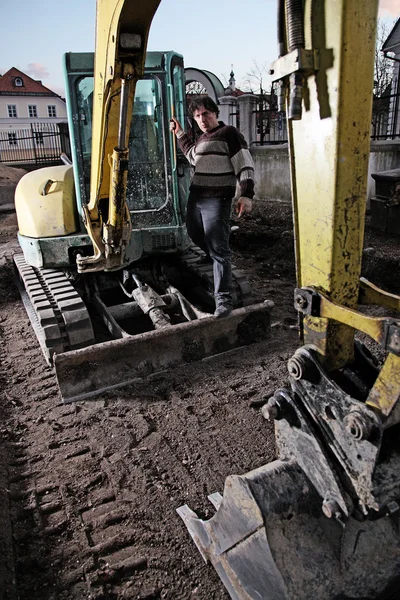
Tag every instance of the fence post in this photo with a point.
(64, 138)
(34, 143)
(247, 106)
(228, 109)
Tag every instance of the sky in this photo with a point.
(215, 35)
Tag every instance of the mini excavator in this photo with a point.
(111, 282)
(322, 521)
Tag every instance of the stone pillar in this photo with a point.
(227, 110)
(247, 116)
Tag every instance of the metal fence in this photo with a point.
(270, 125)
(386, 114)
(41, 144)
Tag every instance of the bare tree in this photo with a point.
(256, 78)
(268, 121)
(383, 74)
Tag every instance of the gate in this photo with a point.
(386, 114)
(270, 124)
(41, 144)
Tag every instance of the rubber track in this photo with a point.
(57, 312)
(240, 286)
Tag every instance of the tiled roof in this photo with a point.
(236, 92)
(30, 86)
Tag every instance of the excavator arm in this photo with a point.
(310, 524)
(122, 29)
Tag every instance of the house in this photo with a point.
(31, 116)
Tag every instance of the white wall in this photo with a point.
(23, 121)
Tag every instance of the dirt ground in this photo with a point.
(93, 487)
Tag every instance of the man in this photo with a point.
(221, 159)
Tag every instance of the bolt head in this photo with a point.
(301, 301)
(357, 425)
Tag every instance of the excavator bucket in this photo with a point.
(85, 372)
(289, 529)
(270, 540)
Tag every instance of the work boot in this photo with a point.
(224, 305)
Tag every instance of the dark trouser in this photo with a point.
(208, 225)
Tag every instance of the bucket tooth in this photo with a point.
(235, 542)
(215, 499)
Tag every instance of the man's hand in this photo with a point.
(243, 205)
(175, 126)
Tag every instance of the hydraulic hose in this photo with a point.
(280, 87)
(281, 28)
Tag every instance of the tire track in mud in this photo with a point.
(94, 486)
(7, 560)
(77, 532)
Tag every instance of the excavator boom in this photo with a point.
(122, 29)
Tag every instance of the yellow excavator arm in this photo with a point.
(122, 29)
(308, 525)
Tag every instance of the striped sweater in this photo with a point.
(220, 158)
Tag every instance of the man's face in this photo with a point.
(205, 119)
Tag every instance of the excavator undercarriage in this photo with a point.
(105, 331)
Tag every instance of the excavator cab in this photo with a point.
(158, 174)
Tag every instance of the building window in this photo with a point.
(18, 82)
(12, 139)
(32, 110)
(51, 110)
(39, 138)
(12, 110)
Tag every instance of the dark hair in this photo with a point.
(206, 102)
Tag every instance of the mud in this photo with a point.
(92, 488)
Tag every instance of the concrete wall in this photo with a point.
(272, 172)
(273, 176)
